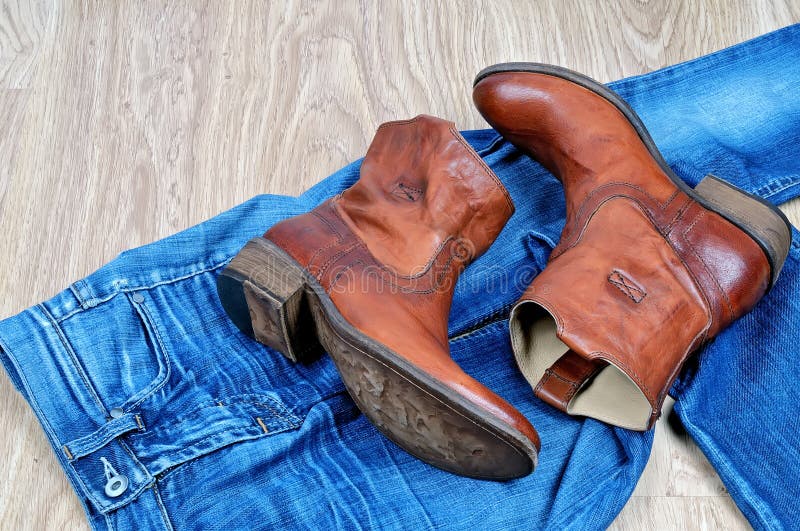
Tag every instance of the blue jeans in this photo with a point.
(136, 373)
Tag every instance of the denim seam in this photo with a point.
(130, 289)
(288, 416)
(74, 359)
(188, 465)
(162, 507)
(160, 347)
(125, 501)
(259, 433)
(239, 439)
(493, 319)
(76, 293)
(99, 438)
(485, 150)
(301, 420)
(765, 191)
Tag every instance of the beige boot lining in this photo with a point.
(611, 396)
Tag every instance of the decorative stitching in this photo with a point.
(678, 215)
(483, 165)
(705, 265)
(335, 258)
(409, 193)
(670, 199)
(627, 286)
(551, 372)
(597, 190)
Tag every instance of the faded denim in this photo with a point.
(217, 431)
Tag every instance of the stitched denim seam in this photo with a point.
(300, 421)
(257, 433)
(493, 318)
(487, 149)
(192, 461)
(74, 359)
(101, 437)
(764, 191)
(130, 289)
(161, 349)
(121, 503)
(162, 507)
(275, 408)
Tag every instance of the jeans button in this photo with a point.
(116, 485)
(138, 298)
(116, 413)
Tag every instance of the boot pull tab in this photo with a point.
(565, 377)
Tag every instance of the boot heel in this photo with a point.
(761, 220)
(263, 292)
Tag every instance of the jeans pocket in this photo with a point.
(119, 350)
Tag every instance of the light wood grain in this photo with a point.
(670, 512)
(124, 122)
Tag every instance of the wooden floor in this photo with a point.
(122, 122)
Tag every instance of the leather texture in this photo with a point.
(389, 249)
(642, 275)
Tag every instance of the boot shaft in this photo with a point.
(421, 185)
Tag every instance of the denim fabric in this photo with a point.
(218, 431)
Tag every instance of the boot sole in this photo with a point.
(762, 221)
(273, 299)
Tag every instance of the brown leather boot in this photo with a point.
(647, 269)
(370, 274)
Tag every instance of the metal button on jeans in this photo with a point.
(116, 413)
(116, 483)
(138, 298)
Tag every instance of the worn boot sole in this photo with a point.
(273, 299)
(759, 219)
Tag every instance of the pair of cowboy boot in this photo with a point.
(646, 271)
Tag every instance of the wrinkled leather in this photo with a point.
(389, 249)
(643, 274)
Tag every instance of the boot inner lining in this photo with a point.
(611, 396)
